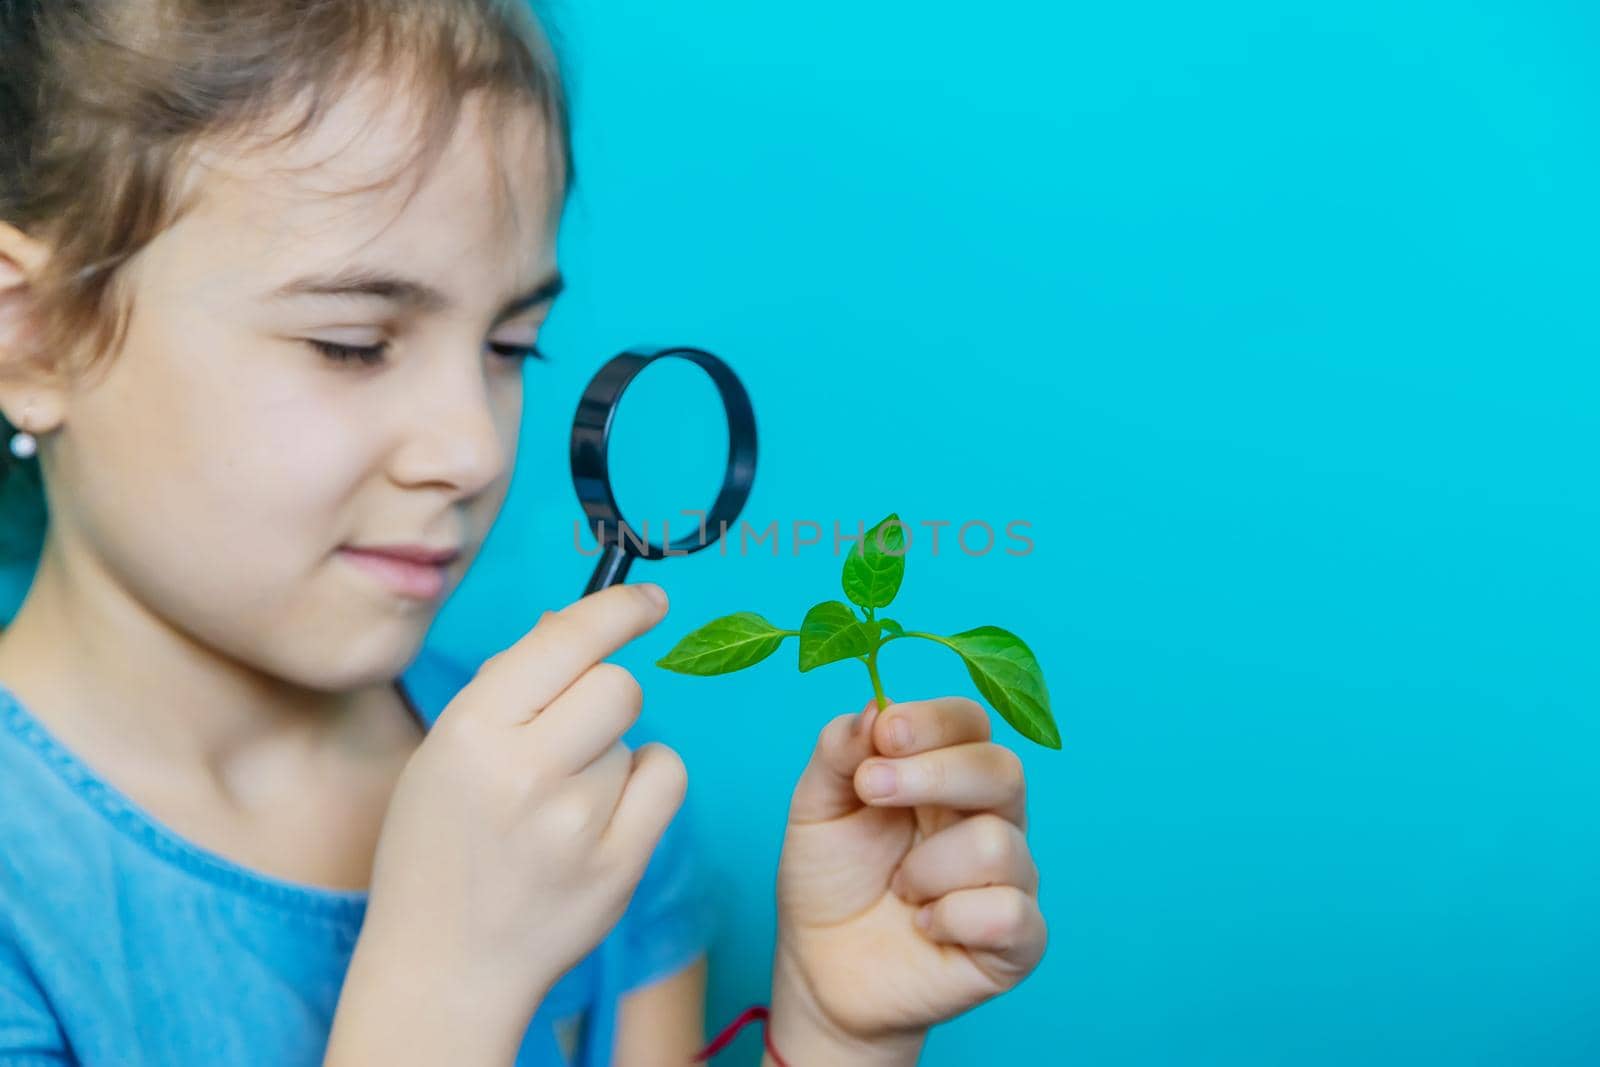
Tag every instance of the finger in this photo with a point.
(977, 851)
(582, 806)
(998, 920)
(919, 725)
(652, 796)
(520, 681)
(826, 789)
(585, 720)
(977, 776)
(923, 725)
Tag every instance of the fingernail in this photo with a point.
(865, 719)
(924, 917)
(879, 780)
(654, 592)
(900, 732)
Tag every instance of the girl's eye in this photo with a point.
(519, 351)
(371, 355)
(341, 353)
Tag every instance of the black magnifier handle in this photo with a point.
(591, 435)
(612, 568)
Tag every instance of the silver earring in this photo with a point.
(23, 443)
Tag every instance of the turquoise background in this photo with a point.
(1277, 324)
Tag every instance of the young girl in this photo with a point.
(269, 273)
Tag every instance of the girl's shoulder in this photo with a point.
(41, 784)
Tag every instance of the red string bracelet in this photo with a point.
(754, 1011)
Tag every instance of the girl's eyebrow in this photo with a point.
(410, 294)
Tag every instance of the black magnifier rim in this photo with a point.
(591, 438)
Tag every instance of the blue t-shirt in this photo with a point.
(123, 944)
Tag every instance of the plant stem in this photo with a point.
(877, 686)
(871, 659)
(929, 637)
(872, 672)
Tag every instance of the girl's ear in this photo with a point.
(21, 256)
(22, 259)
(23, 397)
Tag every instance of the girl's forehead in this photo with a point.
(352, 187)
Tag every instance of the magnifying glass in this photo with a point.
(591, 438)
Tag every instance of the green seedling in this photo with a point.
(1001, 665)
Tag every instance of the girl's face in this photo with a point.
(211, 476)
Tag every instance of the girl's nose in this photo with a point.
(456, 430)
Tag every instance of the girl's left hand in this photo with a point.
(856, 969)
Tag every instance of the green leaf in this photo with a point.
(872, 573)
(1007, 674)
(724, 645)
(831, 632)
(892, 627)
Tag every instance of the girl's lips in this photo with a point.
(422, 581)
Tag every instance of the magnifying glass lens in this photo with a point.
(669, 449)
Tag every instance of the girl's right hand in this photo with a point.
(522, 824)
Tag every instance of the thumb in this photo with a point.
(827, 786)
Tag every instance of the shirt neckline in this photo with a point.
(156, 836)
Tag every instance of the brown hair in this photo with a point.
(101, 102)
